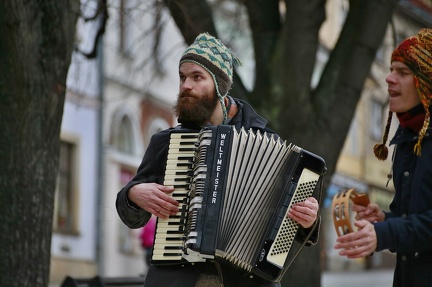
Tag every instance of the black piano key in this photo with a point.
(172, 248)
(184, 149)
(186, 173)
(173, 238)
(173, 232)
(188, 136)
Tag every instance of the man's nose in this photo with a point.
(390, 79)
(186, 84)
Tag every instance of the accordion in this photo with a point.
(235, 189)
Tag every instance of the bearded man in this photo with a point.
(206, 73)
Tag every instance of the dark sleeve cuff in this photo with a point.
(130, 213)
(311, 235)
(130, 203)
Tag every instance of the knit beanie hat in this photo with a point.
(416, 53)
(211, 54)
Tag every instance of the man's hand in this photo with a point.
(360, 243)
(371, 213)
(305, 213)
(154, 198)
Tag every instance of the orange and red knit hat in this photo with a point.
(416, 53)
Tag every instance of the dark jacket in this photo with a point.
(407, 228)
(152, 170)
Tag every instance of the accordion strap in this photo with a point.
(341, 209)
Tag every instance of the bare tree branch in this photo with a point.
(101, 15)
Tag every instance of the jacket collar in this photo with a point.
(247, 117)
(406, 135)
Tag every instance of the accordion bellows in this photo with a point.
(235, 189)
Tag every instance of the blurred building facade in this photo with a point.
(117, 101)
(141, 52)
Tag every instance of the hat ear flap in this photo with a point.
(223, 86)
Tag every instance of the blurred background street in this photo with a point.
(380, 278)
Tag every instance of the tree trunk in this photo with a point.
(36, 42)
(305, 270)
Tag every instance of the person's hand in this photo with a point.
(371, 213)
(360, 243)
(154, 198)
(305, 213)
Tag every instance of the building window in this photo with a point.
(122, 136)
(125, 136)
(376, 120)
(65, 209)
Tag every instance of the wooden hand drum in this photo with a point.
(341, 207)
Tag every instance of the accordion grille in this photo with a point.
(289, 227)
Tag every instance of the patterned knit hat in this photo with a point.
(211, 54)
(416, 53)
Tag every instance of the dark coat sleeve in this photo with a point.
(310, 235)
(150, 170)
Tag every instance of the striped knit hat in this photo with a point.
(416, 53)
(211, 54)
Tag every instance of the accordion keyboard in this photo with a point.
(169, 233)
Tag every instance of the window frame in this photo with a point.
(71, 228)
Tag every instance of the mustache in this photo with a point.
(187, 94)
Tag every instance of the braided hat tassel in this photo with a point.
(380, 150)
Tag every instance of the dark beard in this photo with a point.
(191, 108)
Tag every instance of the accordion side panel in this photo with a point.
(279, 251)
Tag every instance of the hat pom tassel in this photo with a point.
(417, 149)
(380, 151)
